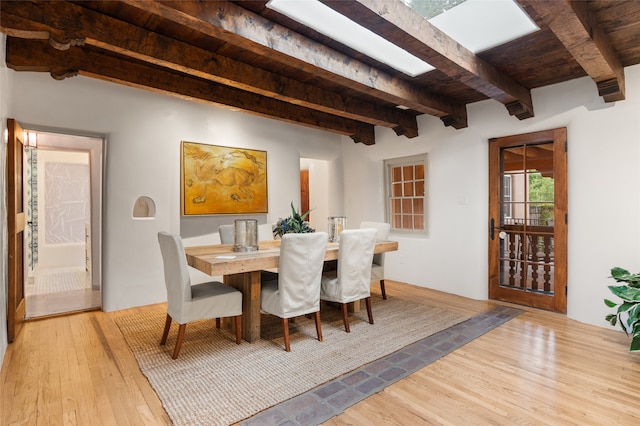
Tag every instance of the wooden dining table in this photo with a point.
(242, 270)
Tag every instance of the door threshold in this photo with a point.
(62, 314)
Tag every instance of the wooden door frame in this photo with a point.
(558, 302)
(16, 221)
(304, 192)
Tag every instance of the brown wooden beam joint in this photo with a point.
(575, 25)
(39, 56)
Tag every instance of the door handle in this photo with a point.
(492, 229)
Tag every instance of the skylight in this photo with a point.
(476, 24)
(340, 28)
(482, 24)
(430, 8)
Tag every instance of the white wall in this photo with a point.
(604, 191)
(68, 254)
(143, 132)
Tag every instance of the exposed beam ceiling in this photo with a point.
(88, 62)
(249, 31)
(398, 24)
(575, 25)
(244, 56)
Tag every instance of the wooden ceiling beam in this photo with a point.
(576, 27)
(63, 23)
(38, 55)
(233, 24)
(398, 23)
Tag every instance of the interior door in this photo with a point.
(528, 219)
(16, 308)
(304, 192)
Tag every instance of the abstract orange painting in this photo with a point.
(222, 180)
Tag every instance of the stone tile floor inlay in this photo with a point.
(332, 398)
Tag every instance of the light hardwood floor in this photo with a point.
(539, 368)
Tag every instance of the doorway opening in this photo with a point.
(314, 191)
(62, 175)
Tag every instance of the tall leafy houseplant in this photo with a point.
(295, 223)
(628, 312)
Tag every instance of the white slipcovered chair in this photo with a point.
(265, 232)
(296, 291)
(226, 233)
(186, 303)
(377, 268)
(352, 281)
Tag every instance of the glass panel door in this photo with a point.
(526, 220)
(527, 211)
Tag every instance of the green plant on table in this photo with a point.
(628, 311)
(295, 223)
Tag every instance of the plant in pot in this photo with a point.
(628, 311)
(295, 223)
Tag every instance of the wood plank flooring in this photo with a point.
(539, 368)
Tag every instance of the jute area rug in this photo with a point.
(216, 382)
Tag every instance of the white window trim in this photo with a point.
(409, 160)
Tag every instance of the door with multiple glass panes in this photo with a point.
(528, 219)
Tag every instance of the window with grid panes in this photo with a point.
(406, 185)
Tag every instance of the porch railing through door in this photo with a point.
(531, 257)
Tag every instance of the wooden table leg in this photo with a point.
(249, 284)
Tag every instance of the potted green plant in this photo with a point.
(295, 223)
(628, 311)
